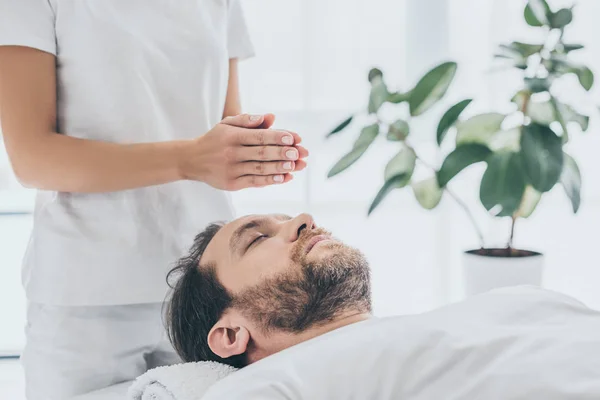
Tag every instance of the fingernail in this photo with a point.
(287, 165)
(291, 154)
(287, 140)
(254, 118)
(278, 178)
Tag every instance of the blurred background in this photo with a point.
(311, 66)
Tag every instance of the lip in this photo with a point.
(312, 242)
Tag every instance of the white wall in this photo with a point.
(310, 70)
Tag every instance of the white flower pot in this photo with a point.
(486, 272)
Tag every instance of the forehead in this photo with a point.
(219, 245)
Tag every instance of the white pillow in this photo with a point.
(517, 343)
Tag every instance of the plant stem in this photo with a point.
(525, 106)
(514, 217)
(512, 233)
(466, 209)
(458, 200)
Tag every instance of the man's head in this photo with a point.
(260, 284)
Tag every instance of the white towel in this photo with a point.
(187, 381)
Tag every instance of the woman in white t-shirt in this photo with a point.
(112, 109)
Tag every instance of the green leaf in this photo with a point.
(459, 159)
(572, 47)
(519, 98)
(559, 65)
(573, 116)
(398, 97)
(508, 52)
(395, 182)
(375, 73)
(541, 156)
(519, 62)
(538, 85)
(341, 126)
(431, 88)
(379, 95)
(346, 161)
(530, 200)
(403, 163)
(367, 136)
(561, 18)
(571, 181)
(450, 118)
(502, 184)
(541, 112)
(428, 193)
(525, 49)
(398, 131)
(509, 140)
(540, 10)
(586, 77)
(547, 112)
(479, 129)
(558, 115)
(530, 17)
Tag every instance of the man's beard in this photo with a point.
(313, 295)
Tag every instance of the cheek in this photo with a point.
(270, 261)
(255, 267)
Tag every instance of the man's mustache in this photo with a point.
(305, 236)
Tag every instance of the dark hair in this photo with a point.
(197, 301)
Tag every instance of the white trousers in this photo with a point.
(75, 350)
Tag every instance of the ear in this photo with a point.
(228, 337)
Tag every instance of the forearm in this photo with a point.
(233, 104)
(66, 164)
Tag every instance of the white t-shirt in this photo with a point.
(128, 71)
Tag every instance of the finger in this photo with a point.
(248, 181)
(300, 165)
(262, 137)
(303, 152)
(267, 153)
(297, 138)
(244, 121)
(268, 121)
(287, 178)
(264, 168)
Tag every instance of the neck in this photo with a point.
(265, 346)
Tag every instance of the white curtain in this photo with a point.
(311, 66)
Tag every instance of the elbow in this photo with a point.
(25, 173)
(26, 154)
(24, 177)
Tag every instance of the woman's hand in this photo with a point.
(241, 152)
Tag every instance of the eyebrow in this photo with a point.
(239, 233)
(236, 237)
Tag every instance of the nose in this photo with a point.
(296, 225)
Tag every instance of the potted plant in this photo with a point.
(523, 150)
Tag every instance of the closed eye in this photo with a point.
(255, 241)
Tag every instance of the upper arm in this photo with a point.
(232, 102)
(27, 72)
(27, 98)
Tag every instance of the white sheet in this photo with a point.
(519, 343)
